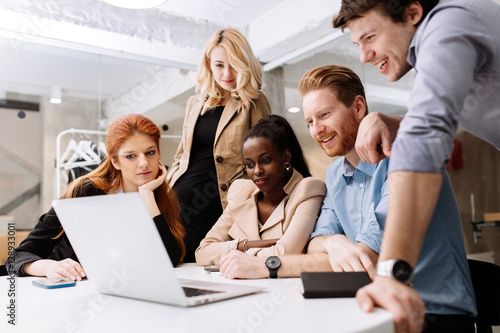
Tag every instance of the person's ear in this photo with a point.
(115, 164)
(414, 12)
(359, 106)
(287, 155)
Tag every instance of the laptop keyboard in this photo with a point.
(190, 292)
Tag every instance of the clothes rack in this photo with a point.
(101, 146)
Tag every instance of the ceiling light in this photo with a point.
(135, 4)
(55, 97)
(294, 109)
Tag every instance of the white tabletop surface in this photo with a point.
(280, 308)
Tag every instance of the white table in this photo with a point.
(281, 308)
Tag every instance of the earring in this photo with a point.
(288, 166)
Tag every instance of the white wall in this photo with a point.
(71, 113)
(19, 163)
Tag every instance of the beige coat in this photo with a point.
(233, 125)
(292, 221)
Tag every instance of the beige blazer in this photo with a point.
(233, 125)
(292, 221)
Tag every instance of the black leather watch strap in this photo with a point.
(273, 264)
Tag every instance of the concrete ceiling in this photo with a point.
(94, 50)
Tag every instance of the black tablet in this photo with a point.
(331, 284)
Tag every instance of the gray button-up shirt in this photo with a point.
(456, 55)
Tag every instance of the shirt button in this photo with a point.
(219, 159)
(359, 215)
(223, 187)
(361, 185)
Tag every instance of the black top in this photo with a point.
(197, 189)
(40, 243)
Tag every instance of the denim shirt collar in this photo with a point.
(350, 170)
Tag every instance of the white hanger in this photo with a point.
(71, 148)
(102, 148)
(85, 152)
(86, 147)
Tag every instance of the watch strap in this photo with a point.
(387, 267)
(273, 263)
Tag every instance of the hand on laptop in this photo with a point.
(345, 256)
(239, 265)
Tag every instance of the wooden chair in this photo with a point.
(486, 282)
(20, 236)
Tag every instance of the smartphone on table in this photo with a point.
(53, 283)
(212, 268)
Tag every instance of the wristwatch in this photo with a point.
(273, 264)
(396, 269)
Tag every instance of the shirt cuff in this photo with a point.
(234, 244)
(420, 155)
(371, 242)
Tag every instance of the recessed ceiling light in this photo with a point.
(135, 4)
(56, 95)
(294, 109)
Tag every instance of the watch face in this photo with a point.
(402, 271)
(273, 262)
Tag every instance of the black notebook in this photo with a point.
(330, 284)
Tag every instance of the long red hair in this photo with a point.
(109, 179)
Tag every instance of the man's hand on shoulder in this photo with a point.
(375, 136)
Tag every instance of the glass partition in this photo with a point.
(93, 90)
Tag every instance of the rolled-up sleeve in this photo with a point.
(371, 233)
(328, 222)
(445, 56)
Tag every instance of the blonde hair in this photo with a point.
(242, 59)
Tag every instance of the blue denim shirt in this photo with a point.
(456, 56)
(356, 205)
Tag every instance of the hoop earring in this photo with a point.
(288, 166)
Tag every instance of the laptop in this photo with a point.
(122, 253)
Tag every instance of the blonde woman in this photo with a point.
(228, 102)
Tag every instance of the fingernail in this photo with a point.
(78, 278)
(83, 274)
(365, 306)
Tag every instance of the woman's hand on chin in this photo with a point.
(153, 184)
(146, 191)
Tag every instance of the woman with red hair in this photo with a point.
(133, 165)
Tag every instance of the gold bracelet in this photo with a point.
(240, 240)
(245, 247)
